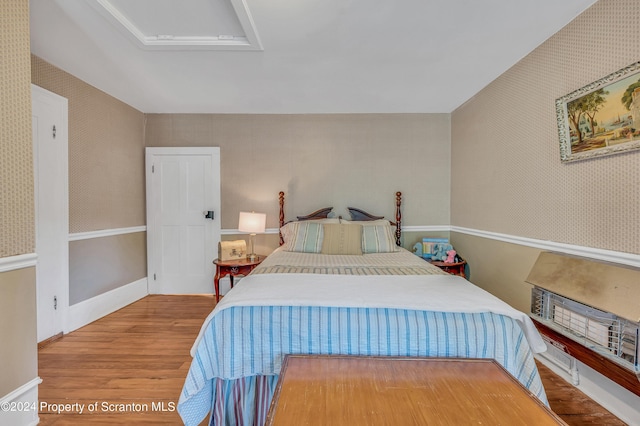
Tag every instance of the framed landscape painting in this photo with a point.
(601, 118)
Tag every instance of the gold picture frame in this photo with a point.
(601, 118)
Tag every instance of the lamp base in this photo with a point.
(252, 256)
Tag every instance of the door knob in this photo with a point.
(209, 214)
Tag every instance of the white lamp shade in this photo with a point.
(252, 223)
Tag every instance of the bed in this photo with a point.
(340, 286)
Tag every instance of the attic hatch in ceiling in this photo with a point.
(177, 25)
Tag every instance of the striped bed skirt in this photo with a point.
(236, 364)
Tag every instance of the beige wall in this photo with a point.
(106, 183)
(106, 153)
(18, 348)
(339, 160)
(507, 176)
(16, 166)
(498, 267)
(506, 172)
(98, 265)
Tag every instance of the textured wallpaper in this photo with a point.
(16, 169)
(106, 153)
(321, 160)
(506, 171)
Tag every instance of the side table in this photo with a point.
(456, 268)
(233, 268)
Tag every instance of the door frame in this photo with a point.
(38, 94)
(151, 215)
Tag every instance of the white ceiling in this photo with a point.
(293, 56)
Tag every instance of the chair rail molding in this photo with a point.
(623, 258)
(20, 261)
(77, 236)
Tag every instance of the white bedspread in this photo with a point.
(401, 258)
(439, 293)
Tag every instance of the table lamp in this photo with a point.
(252, 223)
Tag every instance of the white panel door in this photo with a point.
(50, 167)
(183, 184)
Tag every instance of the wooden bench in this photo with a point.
(350, 390)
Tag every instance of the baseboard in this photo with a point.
(47, 342)
(21, 405)
(613, 397)
(86, 312)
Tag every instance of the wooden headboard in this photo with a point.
(356, 214)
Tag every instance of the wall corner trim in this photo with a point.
(20, 261)
(622, 258)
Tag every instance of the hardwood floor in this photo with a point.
(573, 406)
(137, 355)
(131, 366)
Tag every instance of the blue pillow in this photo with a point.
(307, 237)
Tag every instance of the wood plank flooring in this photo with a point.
(131, 366)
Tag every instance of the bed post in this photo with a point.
(281, 201)
(398, 217)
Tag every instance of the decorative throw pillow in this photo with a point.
(306, 237)
(289, 230)
(378, 239)
(342, 239)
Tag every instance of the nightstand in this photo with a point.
(233, 268)
(456, 268)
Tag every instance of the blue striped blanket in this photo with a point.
(242, 342)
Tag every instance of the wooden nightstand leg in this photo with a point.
(216, 285)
